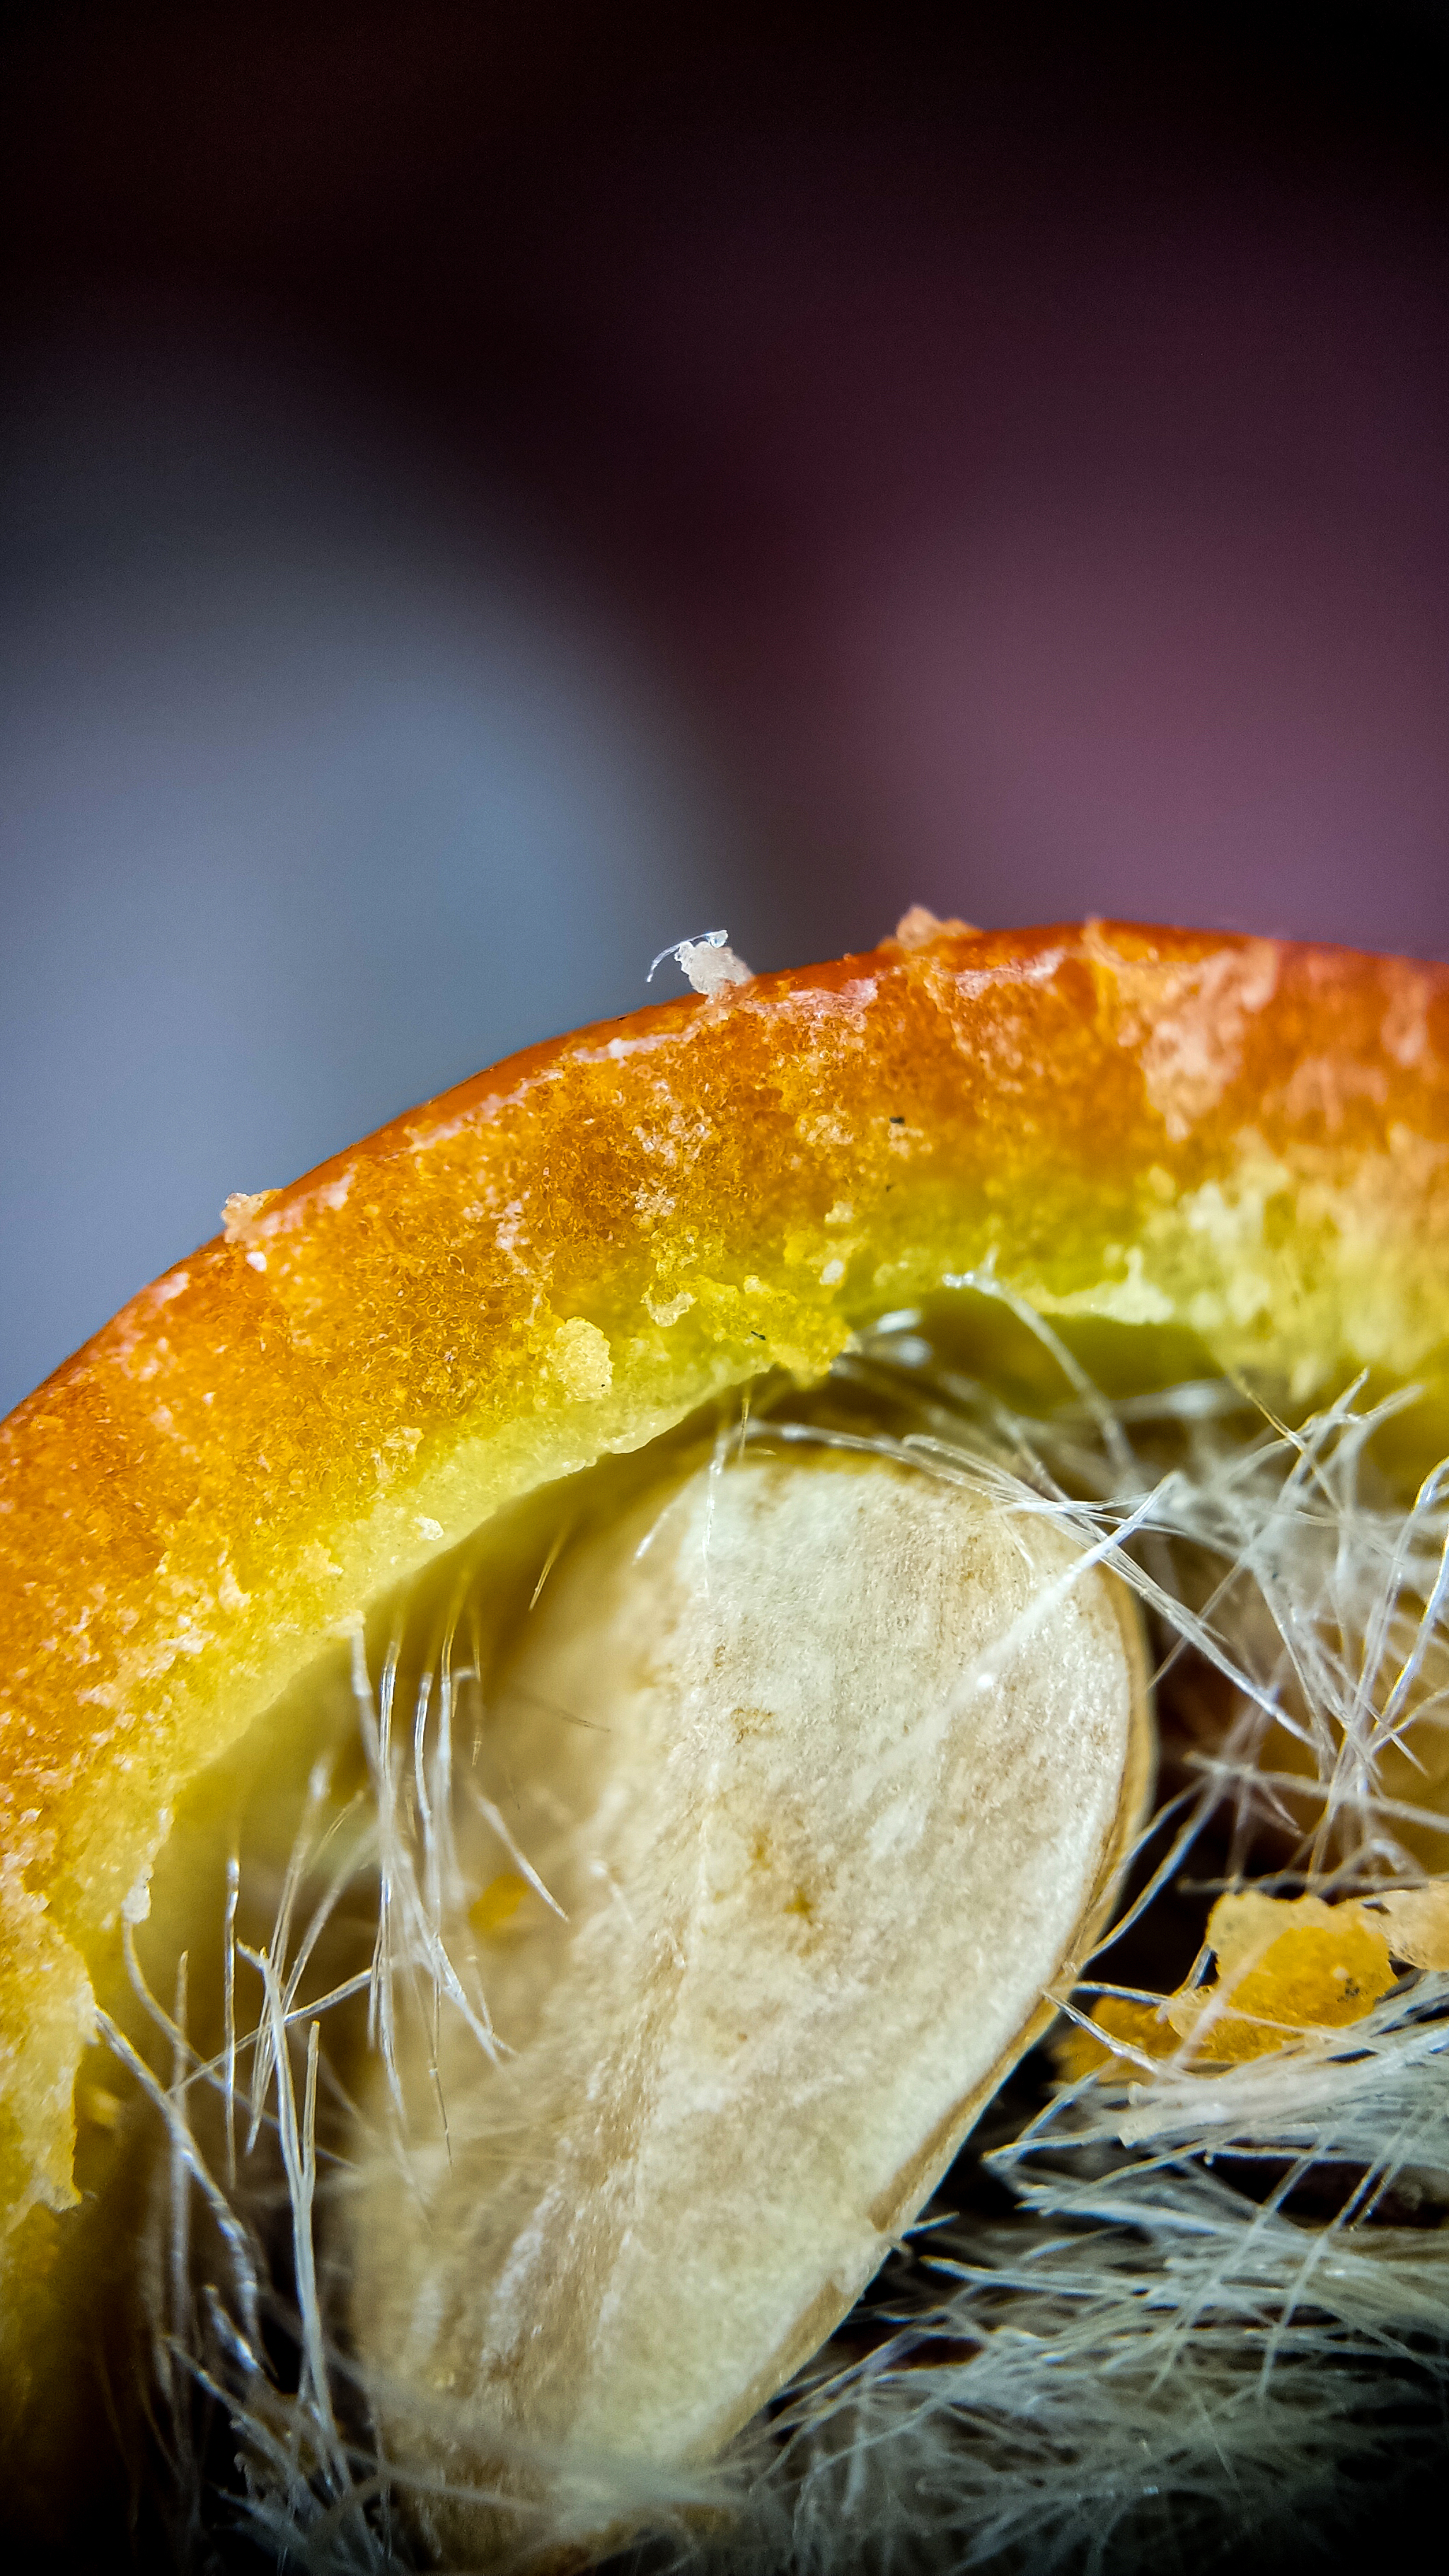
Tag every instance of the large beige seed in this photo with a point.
(827, 1765)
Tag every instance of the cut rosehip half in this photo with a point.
(565, 1731)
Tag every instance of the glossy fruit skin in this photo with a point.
(1232, 1137)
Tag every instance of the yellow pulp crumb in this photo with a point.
(498, 1904)
(1287, 1969)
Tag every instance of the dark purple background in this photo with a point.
(490, 490)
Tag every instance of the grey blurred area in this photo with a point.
(320, 790)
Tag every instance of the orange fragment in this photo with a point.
(1415, 1922)
(1139, 2026)
(1287, 1970)
(1278, 1981)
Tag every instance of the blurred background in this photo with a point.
(489, 490)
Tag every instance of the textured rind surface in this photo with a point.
(570, 1252)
